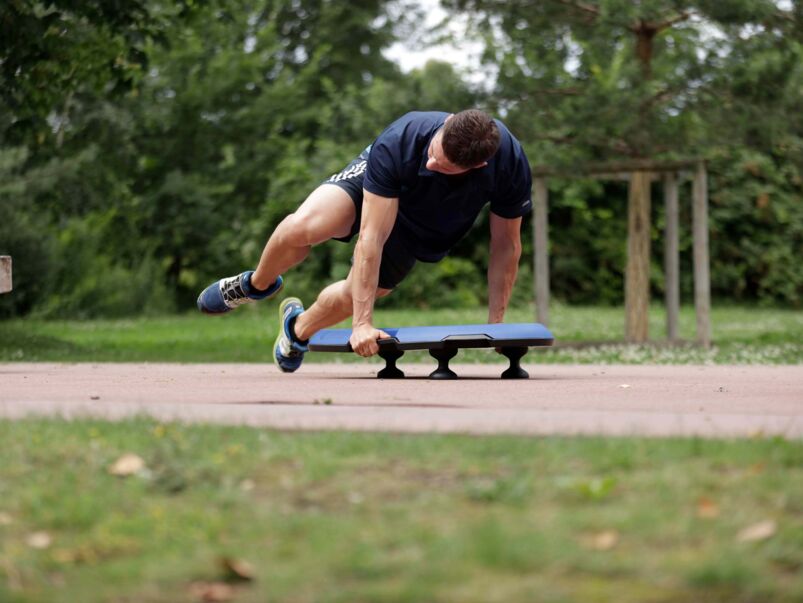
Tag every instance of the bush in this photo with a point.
(451, 283)
(89, 282)
(32, 249)
(756, 229)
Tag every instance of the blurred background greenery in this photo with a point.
(148, 147)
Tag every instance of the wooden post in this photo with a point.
(541, 251)
(637, 275)
(702, 276)
(671, 258)
(5, 273)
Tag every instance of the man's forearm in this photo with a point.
(365, 277)
(502, 270)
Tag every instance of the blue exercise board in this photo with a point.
(443, 343)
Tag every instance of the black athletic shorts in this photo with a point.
(397, 260)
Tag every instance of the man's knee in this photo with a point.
(380, 292)
(327, 213)
(298, 231)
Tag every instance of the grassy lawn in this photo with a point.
(741, 335)
(346, 517)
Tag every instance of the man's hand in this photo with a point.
(364, 338)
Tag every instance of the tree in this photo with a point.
(181, 126)
(49, 51)
(614, 78)
(589, 80)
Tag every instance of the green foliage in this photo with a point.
(87, 281)
(23, 236)
(588, 224)
(51, 51)
(757, 228)
(451, 283)
(149, 147)
(33, 252)
(607, 79)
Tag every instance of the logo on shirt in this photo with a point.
(351, 171)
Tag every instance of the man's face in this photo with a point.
(437, 161)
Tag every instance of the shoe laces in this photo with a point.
(232, 291)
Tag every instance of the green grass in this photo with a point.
(341, 517)
(741, 334)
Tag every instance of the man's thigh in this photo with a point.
(329, 212)
(350, 180)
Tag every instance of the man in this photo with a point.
(411, 196)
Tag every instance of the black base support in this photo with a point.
(391, 371)
(514, 371)
(443, 356)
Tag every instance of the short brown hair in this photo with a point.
(469, 138)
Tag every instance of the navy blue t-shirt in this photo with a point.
(436, 210)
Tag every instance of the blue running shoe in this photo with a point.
(288, 351)
(228, 293)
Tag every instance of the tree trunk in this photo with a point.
(671, 257)
(541, 251)
(702, 277)
(637, 276)
(644, 37)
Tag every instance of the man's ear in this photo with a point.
(448, 117)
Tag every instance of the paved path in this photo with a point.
(718, 401)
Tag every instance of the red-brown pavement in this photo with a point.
(711, 401)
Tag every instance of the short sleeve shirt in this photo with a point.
(436, 210)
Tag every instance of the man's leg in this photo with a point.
(327, 213)
(333, 305)
(296, 325)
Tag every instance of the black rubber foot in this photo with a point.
(391, 371)
(514, 371)
(443, 356)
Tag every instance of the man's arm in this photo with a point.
(378, 217)
(503, 265)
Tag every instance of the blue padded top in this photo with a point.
(462, 336)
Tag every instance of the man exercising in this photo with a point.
(411, 196)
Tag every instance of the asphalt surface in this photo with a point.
(711, 401)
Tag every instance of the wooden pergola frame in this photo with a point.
(639, 174)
